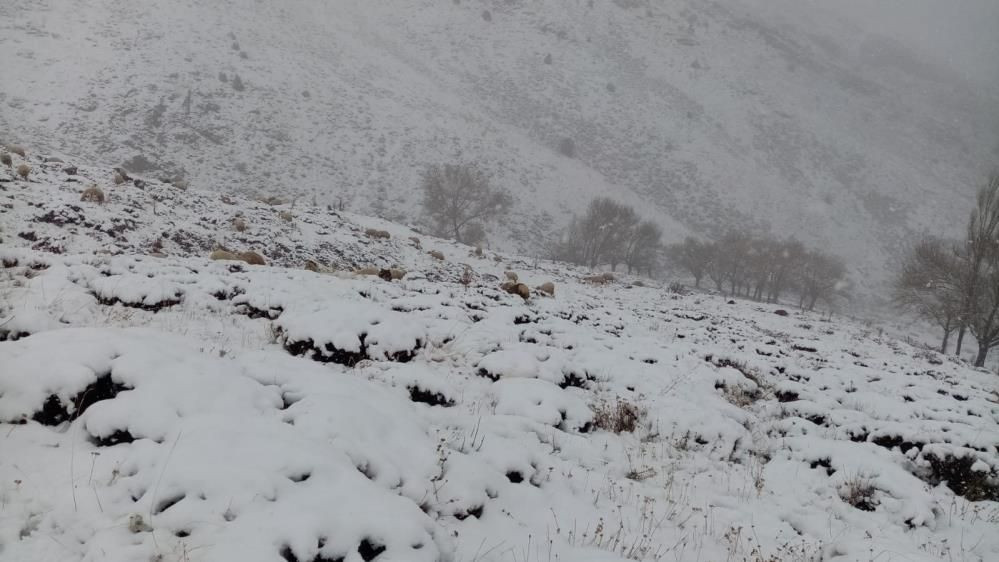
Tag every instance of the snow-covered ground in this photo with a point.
(158, 405)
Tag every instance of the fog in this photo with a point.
(963, 34)
(853, 126)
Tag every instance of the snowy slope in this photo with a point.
(705, 114)
(170, 407)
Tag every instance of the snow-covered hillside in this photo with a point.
(706, 115)
(159, 405)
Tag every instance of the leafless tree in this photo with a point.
(693, 256)
(929, 284)
(457, 195)
(981, 272)
(818, 277)
(642, 247)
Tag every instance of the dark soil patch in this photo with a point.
(54, 412)
(142, 306)
(417, 394)
(961, 479)
(117, 437)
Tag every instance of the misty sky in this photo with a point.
(962, 33)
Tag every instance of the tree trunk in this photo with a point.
(960, 339)
(983, 352)
(697, 282)
(946, 339)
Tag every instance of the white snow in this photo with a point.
(202, 438)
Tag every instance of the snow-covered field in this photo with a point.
(158, 405)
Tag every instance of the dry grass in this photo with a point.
(23, 170)
(239, 225)
(860, 493)
(6, 160)
(618, 416)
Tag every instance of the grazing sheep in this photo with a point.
(23, 170)
(512, 276)
(93, 194)
(253, 258)
(311, 266)
(15, 149)
(600, 278)
(519, 289)
(397, 273)
(437, 254)
(375, 233)
(6, 160)
(370, 270)
(547, 288)
(223, 255)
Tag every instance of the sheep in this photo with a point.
(519, 289)
(375, 233)
(117, 178)
(436, 254)
(547, 288)
(251, 258)
(16, 149)
(311, 266)
(6, 160)
(93, 194)
(512, 276)
(370, 270)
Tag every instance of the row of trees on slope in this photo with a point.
(762, 268)
(955, 283)
(457, 200)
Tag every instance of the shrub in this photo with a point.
(860, 493)
(118, 179)
(511, 276)
(23, 170)
(92, 194)
(239, 224)
(286, 216)
(6, 160)
(619, 416)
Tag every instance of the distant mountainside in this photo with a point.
(705, 114)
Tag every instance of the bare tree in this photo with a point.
(642, 246)
(819, 276)
(929, 284)
(693, 256)
(457, 195)
(981, 279)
